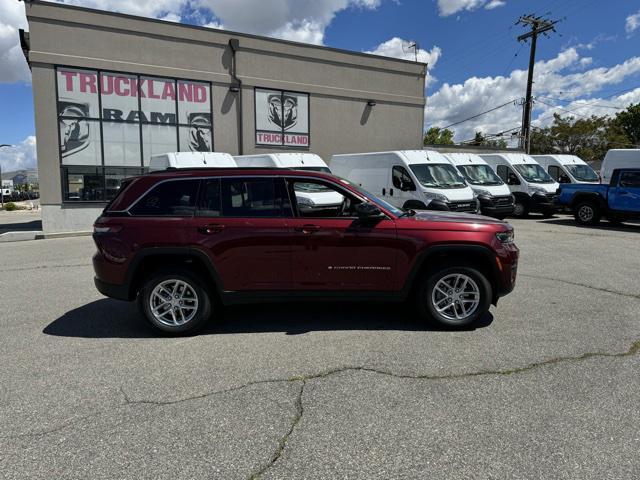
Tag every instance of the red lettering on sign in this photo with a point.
(185, 92)
(200, 94)
(106, 85)
(88, 83)
(119, 86)
(151, 93)
(68, 76)
(169, 91)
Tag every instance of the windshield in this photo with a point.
(381, 203)
(582, 173)
(440, 175)
(314, 169)
(533, 173)
(480, 175)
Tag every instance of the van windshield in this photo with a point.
(378, 201)
(533, 173)
(582, 173)
(480, 175)
(439, 175)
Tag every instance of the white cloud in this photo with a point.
(299, 20)
(397, 48)
(143, 8)
(495, 4)
(449, 7)
(19, 157)
(554, 78)
(171, 17)
(632, 23)
(13, 66)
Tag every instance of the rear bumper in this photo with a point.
(119, 292)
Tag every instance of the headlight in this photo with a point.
(437, 197)
(505, 237)
(485, 193)
(304, 202)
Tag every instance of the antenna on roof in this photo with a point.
(411, 46)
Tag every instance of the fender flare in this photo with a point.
(414, 204)
(590, 197)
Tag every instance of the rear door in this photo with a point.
(625, 196)
(241, 225)
(333, 250)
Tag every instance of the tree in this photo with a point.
(438, 136)
(629, 122)
(481, 140)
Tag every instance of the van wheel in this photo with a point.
(520, 210)
(454, 296)
(175, 301)
(587, 213)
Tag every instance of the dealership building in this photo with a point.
(111, 90)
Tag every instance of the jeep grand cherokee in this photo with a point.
(186, 243)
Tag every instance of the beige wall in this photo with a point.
(339, 83)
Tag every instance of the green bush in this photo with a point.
(10, 206)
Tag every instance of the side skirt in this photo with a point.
(240, 298)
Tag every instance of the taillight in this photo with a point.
(106, 228)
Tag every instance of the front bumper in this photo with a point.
(470, 206)
(119, 292)
(545, 202)
(497, 206)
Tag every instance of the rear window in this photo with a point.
(254, 197)
(174, 198)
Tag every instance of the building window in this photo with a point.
(282, 118)
(110, 124)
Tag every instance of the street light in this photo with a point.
(1, 190)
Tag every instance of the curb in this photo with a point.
(38, 235)
(18, 236)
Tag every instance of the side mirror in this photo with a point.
(368, 211)
(407, 186)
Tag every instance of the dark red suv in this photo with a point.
(187, 242)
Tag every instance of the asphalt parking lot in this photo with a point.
(547, 387)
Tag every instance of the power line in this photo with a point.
(479, 114)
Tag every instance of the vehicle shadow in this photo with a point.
(604, 225)
(107, 318)
(32, 226)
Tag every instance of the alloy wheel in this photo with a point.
(586, 213)
(456, 297)
(173, 302)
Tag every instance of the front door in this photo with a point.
(331, 249)
(626, 195)
(241, 225)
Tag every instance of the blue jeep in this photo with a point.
(619, 201)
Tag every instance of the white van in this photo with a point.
(618, 158)
(298, 161)
(534, 190)
(416, 179)
(567, 168)
(494, 196)
(310, 196)
(191, 160)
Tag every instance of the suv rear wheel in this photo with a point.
(455, 296)
(175, 301)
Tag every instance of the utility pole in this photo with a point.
(538, 26)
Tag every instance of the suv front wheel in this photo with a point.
(455, 296)
(175, 301)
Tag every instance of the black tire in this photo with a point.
(520, 209)
(587, 213)
(198, 290)
(425, 297)
(548, 213)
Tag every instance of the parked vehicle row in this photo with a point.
(9, 195)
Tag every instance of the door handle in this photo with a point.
(391, 192)
(384, 191)
(211, 228)
(307, 229)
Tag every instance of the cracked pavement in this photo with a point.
(546, 387)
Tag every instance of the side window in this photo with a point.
(317, 199)
(254, 197)
(630, 180)
(502, 173)
(401, 179)
(209, 204)
(554, 171)
(175, 198)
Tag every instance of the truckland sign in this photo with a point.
(168, 114)
(282, 118)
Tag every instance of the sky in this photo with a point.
(590, 65)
